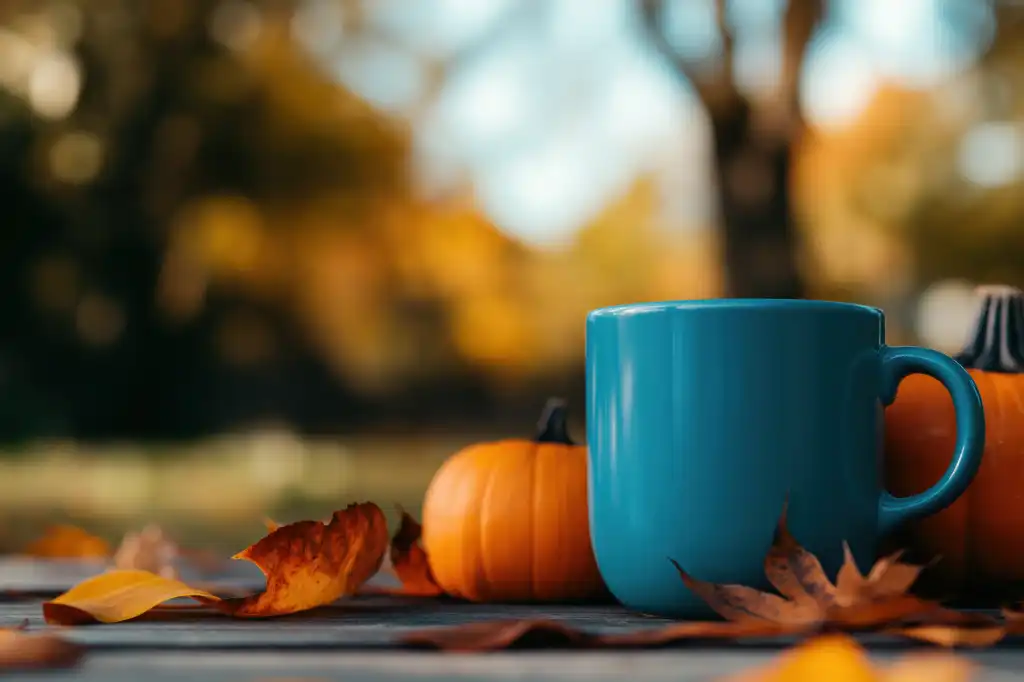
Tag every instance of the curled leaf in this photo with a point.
(116, 596)
(409, 560)
(307, 564)
(68, 542)
(310, 563)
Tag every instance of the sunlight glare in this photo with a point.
(54, 85)
(544, 195)
(838, 81)
(992, 154)
(494, 97)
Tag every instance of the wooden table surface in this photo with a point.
(355, 643)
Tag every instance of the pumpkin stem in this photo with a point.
(996, 343)
(553, 426)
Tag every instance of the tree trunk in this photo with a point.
(752, 154)
(759, 237)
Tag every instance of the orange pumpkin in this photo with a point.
(508, 521)
(979, 539)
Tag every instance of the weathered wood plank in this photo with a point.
(350, 641)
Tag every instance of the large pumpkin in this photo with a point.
(508, 521)
(979, 539)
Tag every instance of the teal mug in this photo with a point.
(704, 417)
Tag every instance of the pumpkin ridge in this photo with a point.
(481, 577)
(535, 456)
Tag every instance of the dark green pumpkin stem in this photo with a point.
(553, 426)
(996, 343)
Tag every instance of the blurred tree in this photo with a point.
(130, 263)
(899, 206)
(753, 140)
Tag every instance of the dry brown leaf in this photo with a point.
(148, 550)
(887, 578)
(68, 542)
(546, 634)
(310, 564)
(307, 564)
(409, 560)
(498, 635)
(550, 634)
(21, 650)
(809, 600)
(795, 572)
(741, 604)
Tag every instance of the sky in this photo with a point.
(550, 108)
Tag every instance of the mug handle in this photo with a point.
(898, 362)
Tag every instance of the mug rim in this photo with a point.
(632, 309)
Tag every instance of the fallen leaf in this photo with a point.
(148, 550)
(695, 631)
(550, 634)
(307, 564)
(741, 604)
(409, 560)
(795, 572)
(68, 542)
(20, 650)
(878, 601)
(117, 596)
(887, 578)
(310, 564)
(498, 635)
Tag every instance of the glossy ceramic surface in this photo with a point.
(703, 416)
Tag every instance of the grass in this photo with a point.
(212, 494)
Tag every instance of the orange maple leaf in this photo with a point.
(410, 561)
(68, 542)
(307, 564)
(807, 599)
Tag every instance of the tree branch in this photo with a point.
(799, 23)
(718, 94)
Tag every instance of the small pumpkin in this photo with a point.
(980, 537)
(508, 520)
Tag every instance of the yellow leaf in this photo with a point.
(117, 596)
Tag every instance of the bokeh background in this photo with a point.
(271, 256)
